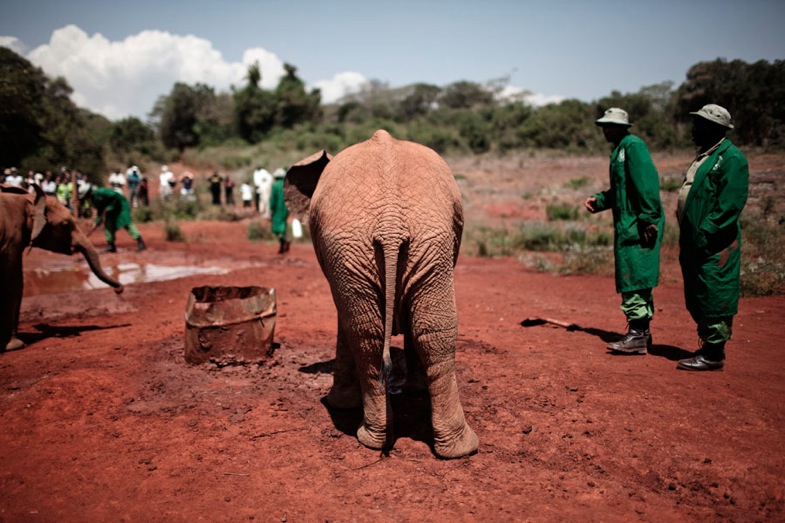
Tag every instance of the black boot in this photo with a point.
(709, 357)
(636, 341)
(110, 247)
(140, 246)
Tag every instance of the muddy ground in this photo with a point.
(102, 419)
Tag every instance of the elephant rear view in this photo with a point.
(386, 220)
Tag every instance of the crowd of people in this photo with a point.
(59, 185)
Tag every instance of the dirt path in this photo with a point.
(103, 421)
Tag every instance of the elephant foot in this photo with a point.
(465, 444)
(14, 344)
(372, 440)
(344, 398)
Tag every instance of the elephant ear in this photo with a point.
(300, 183)
(39, 219)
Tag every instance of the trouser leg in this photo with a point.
(638, 308)
(714, 333)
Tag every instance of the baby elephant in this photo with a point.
(386, 219)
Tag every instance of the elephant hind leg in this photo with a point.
(374, 432)
(345, 392)
(453, 437)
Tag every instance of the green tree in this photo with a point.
(129, 134)
(567, 125)
(215, 120)
(254, 108)
(178, 114)
(22, 92)
(465, 95)
(474, 129)
(506, 121)
(419, 102)
(295, 105)
(40, 127)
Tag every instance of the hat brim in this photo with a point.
(603, 122)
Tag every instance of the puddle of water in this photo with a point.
(59, 279)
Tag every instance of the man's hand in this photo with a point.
(650, 235)
(591, 204)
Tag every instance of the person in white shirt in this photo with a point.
(167, 182)
(246, 192)
(263, 181)
(14, 178)
(117, 182)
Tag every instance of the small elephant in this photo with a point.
(386, 220)
(34, 220)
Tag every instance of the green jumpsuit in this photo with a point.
(710, 241)
(116, 212)
(278, 209)
(634, 198)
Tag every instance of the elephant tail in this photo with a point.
(389, 250)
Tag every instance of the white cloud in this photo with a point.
(13, 43)
(340, 85)
(125, 78)
(517, 94)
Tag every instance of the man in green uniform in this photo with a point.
(638, 224)
(710, 204)
(279, 211)
(114, 211)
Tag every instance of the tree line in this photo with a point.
(40, 127)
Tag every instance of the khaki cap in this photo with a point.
(614, 116)
(715, 114)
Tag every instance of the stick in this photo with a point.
(530, 322)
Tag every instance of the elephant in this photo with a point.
(386, 218)
(34, 220)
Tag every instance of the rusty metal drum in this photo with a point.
(229, 325)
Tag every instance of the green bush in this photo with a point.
(186, 209)
(561, 211)
(762, 257)
(577, 183)
(260, 231)
(144, 215)
(172, 232)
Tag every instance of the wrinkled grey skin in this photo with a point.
(386, 221)
(34, 220)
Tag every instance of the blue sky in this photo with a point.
(120, 56)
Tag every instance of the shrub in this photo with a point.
(762, 258)
(172, 232)
(259, 231)
(561, 211)
(577, 183)
(144, 215)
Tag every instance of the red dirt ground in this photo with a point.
(102, 420)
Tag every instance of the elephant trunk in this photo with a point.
(83, 245)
